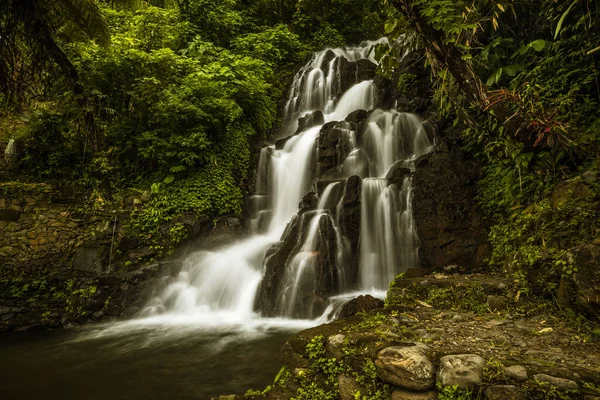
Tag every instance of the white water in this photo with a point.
(315, 85)
(218, 287)
(388, 236)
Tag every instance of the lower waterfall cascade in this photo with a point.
(348, 164)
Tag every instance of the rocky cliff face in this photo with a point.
(450, 225)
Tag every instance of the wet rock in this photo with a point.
(352, 73)
(516, 372)
(450, 226)
(349, 220)
(309, 202)
(348, 387)
(233, 222)
(360, 304)
(144, 252)
(127, 243)
(586, 279)
(322, 280)
(309, 120)
(334, 146)
(397, 173)
(560, 383)
(113, 310)
(91, 259)
(280, 144)
(334, 346)
(357, 117)
(462, 370)
(329, 56)
(405, 367)
(195, 225)
(504, 392)
(400, 394)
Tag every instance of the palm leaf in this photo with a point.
(84, 14)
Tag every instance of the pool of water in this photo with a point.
(153, 359)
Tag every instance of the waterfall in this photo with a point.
(318, 267)
(388, 235)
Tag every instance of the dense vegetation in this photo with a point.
(166, 98)
(520, 81)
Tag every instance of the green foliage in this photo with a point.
(335, 22)
(76, 299)
(453, 393)
(470, 297)
(543, 390)
(276, 46)
(177, 233)
(217, 21)
(311, 391)
(493, 371)
(372, 321)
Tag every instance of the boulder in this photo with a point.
(334, 345)
(279, 274)
(329, 56)
(406, 367)
(352, 73)
(127, 243)
(309, 202)
(348, 387)
(589, 176)
(309, 120)
(516, 372)
(397, 173)
(462, 370)
(334, 146)
(362, 303)
(559, 383)
(357, 117)
(449, 222)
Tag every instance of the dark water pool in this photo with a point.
(133, 362)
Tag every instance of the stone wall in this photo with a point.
(36, 230)
(55, 264)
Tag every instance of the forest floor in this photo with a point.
(501, 345)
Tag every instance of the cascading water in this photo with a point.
(224, 283)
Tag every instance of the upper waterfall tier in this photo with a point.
(319, 85)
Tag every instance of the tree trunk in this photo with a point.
(44, 36)
(464, 75)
